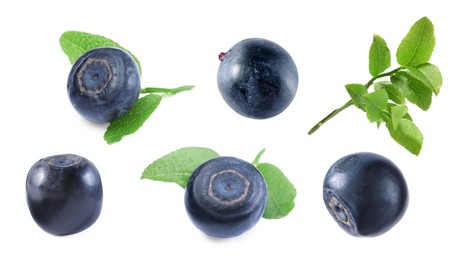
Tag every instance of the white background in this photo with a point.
(177, 43)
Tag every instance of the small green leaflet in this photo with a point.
(417, 46)
(357, 93)
(281, 192)
(407, 134)
(178, 166)
(74, 44)
(397, 113)
(413, 89)
(432, 75)
(393, 92)
(133, 120)
(379, 56)
(420, 76)
(376, 104)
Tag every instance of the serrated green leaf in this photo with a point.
(397, 113)
(133, 120)
(357, 93)
(407, 134)
(375, 104)
(417, 46)
(281, 192)
(74, 44)
(406, 116)
(413, 89)
(433, 75)
(379, 56)
(178, 166)
(420, 76)
(394, 93)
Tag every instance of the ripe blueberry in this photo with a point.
(64, 194)
(365, 193)
(257, 78)
(225, 197)
(104, 84)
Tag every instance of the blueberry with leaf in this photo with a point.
(104, 84)
(415, 80)
(225, 196)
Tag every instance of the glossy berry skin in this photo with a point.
(225, 197)
(365, 193)
(257, 78)
(64, 194)
(104, 84)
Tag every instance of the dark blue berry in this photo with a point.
(225, 197)
(365, 193)
(104, 84)
(64, 194)
(257, 78)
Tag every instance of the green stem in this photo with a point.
(166, 91)
(331, 115)
(387, 74)
(257, 158)
(349, 103)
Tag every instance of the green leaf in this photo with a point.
(420, 76)
(178, 166)
(376, 103)
(133, 120)
(74, 44)
(407, 134)
(394, 93)
(417, 46)
(357, 93)
(413, 89)
(397, 113)
(281, 192)
(407, 115)
(379, 56)
(433, 75)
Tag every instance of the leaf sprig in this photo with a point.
(177, 167)
(414, 80)
(75, 43)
